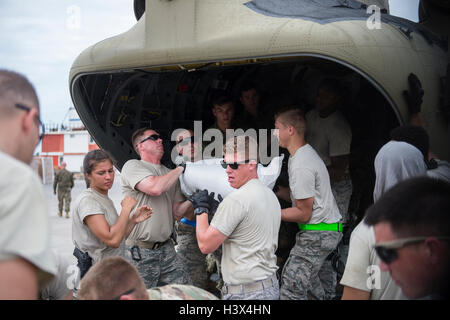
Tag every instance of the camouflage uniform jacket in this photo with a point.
(63, 179)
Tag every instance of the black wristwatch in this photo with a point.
(201, 210)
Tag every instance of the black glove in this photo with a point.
(183, 164)
(201, 202)
(213, 203)
(414, 95)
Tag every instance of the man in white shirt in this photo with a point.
(26, 261)
(246, 224)
(329, 133)
(308, 273)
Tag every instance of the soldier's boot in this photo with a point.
(67, 214)
(59, 213)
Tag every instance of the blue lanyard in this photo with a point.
(188, 222)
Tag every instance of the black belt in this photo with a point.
(146, 245)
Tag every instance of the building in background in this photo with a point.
(68, 141)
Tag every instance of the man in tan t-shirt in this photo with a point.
(246, 224)
(308, 273)
(26, 262)
(153, 184)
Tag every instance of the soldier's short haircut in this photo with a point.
(15, 88)
(220, 98)
(242, 145)
(248, 85)
(137, 136)
(414, 207)
(292, 116)
(109, 278)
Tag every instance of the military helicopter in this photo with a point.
(162, 71)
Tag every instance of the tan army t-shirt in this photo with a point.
(308, 177)
(159, 226)
(250, 217)
(330, 136)
(91, 202)
(362, 269)
(24, 223)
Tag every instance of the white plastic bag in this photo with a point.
(209, 174)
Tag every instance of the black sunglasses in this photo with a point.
(152, 137)
(233, 165)
(387, 251)
(186, 141)
(41, 126)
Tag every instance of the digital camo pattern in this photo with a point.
(342, 192)
(159, 267)
(307, 274)
(188, 251)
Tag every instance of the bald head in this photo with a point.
(15, 89)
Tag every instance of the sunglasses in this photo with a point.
(387, 251)
(233, 165)
(153, 137)
(41, 126)
(186, 141)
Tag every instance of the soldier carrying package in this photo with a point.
(64, 182)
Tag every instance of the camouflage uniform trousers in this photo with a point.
(214, 263)
(64, 199)
(307, 274)
(189, 253)
(342, 192)
(159, 267)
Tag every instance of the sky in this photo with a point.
(41, 39)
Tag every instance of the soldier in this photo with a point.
(114, 278)
(64, 181)
(308, 273)
(411, 225)
(187, 248)
(26, 262)
(246, 224)
(152, 250)
(329, 133)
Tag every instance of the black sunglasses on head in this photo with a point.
(153, 137)
(41, 126)
(233, 165)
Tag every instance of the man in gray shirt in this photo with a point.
(308, 273)
(153, 184)
(246, 224)
(26, 263)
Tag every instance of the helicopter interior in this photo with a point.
(115, 104)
